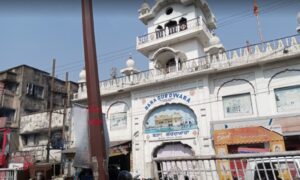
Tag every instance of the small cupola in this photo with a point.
(130, 69)
(215, 45)
(145, 8)
(82, 76)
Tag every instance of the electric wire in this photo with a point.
(234, 18)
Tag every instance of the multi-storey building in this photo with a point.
(25, 90)
(195, 91)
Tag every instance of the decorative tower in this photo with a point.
(178, 30)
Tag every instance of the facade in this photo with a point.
(194, 89)
(34, 134)
(24, 91)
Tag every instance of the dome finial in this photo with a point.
(130, 69)
(82, 76)
(130, 62)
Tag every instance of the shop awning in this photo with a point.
(247, 135)
(284, 125)
(118, 148)
(289, 125)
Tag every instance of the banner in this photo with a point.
(81, 130)
(82, 147)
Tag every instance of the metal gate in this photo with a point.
(263, 166)
(8, 174)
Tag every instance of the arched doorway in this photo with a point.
(172, 169)
(173, 149)
(159, 32)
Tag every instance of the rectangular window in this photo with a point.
(287, 99)
(35, 90)
(237, 105)
(25, 140)
(118, 120)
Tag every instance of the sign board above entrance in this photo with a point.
(185, 134)
(167, 97)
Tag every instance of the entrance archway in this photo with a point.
(170, 169)
(173, 149)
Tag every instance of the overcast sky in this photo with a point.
(33, 32)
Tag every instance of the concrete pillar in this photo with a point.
(177, 63)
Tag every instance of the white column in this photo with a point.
(177, 63)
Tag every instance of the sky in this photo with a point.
(34, 32)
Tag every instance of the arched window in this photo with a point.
(171, 65)
(159, 31)
(182, 24)
(117, 115)
(172, 27)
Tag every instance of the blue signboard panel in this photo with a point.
(171, 117)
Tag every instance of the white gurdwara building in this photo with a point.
(194, 87)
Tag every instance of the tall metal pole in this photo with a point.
(66, 99)
(50, 110)
(65, 105)
(97, 140)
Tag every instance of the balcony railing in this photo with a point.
(247, 55)
(159, 34)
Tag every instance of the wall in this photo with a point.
(260, 82)
(113, 105)
(40, 122)
(143, 103)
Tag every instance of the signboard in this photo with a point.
(288, 99)
(118, 120)
(170, 117)
(172, 135)
(167, 97)
(15, 166)
(237, 105)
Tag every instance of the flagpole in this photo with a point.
(259, 30)
(256, 13)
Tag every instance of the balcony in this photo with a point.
(7, 99)
(8, 77)
(251, 55)
(195, 28)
